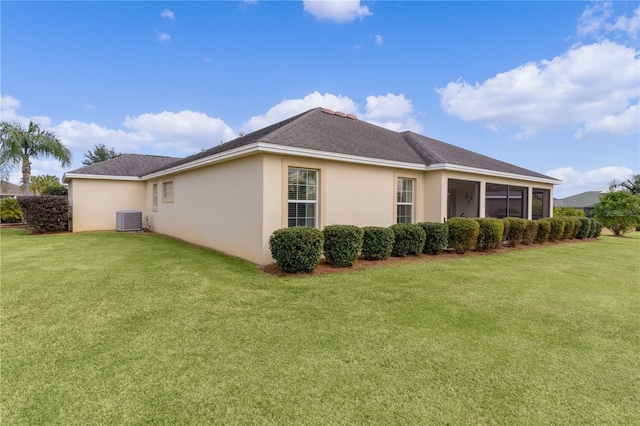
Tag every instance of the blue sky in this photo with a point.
(550, 86)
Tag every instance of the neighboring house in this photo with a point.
(584, 201)
(9, 190)
(315, 169)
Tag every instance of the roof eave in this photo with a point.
(67, 177)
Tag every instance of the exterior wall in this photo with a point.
(218, 207)
(94, 202)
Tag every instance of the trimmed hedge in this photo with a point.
(490, 233)
(409, 239)
(342, 244)
(577, 224)
(557, 228)
(463, 234)
(437, 237)
(569, 226)
(585, 228)
(46, 213)
(597, 229)
(516, 226)
(377, 242)
(296, 249)
(544, 228)
(530, 232)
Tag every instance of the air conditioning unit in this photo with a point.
(129, 220)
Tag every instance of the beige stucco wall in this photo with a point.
(218, 207)
(94, 202)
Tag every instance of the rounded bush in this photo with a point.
(342, 244)
(577, 224)
(490, 233)
(585, 228)
(409, 239)
(505, 224)
(437, 236)
(557, 228)
(296, 249)
(463, 234)
(517, 226)
(569, 225)
(377, 242)
(530, 232)
(544, 228)
(597, 231)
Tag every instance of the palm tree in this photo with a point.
(38, 184)
(19, 145)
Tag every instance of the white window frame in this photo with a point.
(154, 196)
(168, 198)
(400, 184)
(314, 202)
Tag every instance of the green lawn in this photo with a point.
(137, 328)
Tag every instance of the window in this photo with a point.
(541, 203)
(404, 202)
(505, 201)
(167, 192)
(154, 196)
(303, 197)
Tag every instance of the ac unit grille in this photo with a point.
(129, 220)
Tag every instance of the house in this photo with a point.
(314, 169)
(9, 190)
(584, 201)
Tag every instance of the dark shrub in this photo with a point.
(557, 228)
(577, 224)
(530, 232)
(342, 244)
(408, 239)
(505, 224)
(437, 236)
(296, 249)
(45, 214)
(568, 228)
(10, 211)
(597, 230)
(377, 242)
(463, 234)
(544, 228)
(490, 233)
(585, 228)
(517, 227)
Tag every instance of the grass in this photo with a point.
(141, 329)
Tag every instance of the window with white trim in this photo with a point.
(302, 197)
(404, 201)
(154, 196)
(167, 191)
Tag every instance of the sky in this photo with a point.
(550, 86)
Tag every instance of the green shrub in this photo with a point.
(342, 244)
(569, 226)
(597, 230)
(517, 226)
(463, 234)
(577, 224)
(437, 236)
(409, 239)
(10, 211)
(45, 214)
(585, 228)
(490, 233)
(296, 249)
(55, 189)
(557, 228)
(505, 224)
(544, 228)
(530, 232)
(377, 242)
(567, 211)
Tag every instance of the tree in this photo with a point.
(618, 211)
(567, 211)
(98, 154)
(39, 183)
(631, 185)
(19, 146)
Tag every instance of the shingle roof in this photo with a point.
(582, 200)
(326, 131)
(8, 188)
(127, 165)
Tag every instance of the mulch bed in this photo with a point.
(325, 268)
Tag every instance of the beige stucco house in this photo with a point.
(315, 169)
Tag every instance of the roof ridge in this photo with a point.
(291, 120)
(422, 151)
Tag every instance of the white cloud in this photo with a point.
(163, 37)
(578, 88)
(8, 107)
(393, 112)
(291, 107)
(626, 124)
(600, 20)
(168, 14)
(339, 11)
(576, 181)
(207, 60)
(379, 40)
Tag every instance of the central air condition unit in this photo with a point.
(129, 220)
